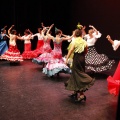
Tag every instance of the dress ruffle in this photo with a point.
(28, 53)
(114, 82)
(55, 66)
(113, 86)
(39, 48)
(43, 58)
(97, 62)
(12, 54)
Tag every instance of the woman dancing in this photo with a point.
(28, 53)
(79, 81)
(3, 43)
(40, 42)
(56, 63)
(46, 49)
(95, 62)
(114, 81)
(12, 54)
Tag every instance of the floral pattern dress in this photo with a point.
(56, 63)
(46, 55)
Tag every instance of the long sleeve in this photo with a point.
(116, 44)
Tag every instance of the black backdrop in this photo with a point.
(65, 14)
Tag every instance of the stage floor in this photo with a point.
(27, 94)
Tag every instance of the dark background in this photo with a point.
(65, 14)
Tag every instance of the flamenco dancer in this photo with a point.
(114, 81)
(56, 63)
(3, 43)
(40, 42)
(46, 52)
(28, 53)
(82, 28)
(95, 62)
(12, 54)
(79, 81)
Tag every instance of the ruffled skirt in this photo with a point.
(114, 82)
(79, 80)
(39, 49)
(55, 66)
(43, 58)
(97, 62)
(28, 54)
(12, 54)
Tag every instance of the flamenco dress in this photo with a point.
(40, 43)
(94, 61)
(56, 64)
(12, 54)
(114, 81)
(46, 55)
(28, 53)
(3, 44)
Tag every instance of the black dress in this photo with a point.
(79, 80)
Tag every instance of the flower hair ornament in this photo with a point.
(79, 26)
(56, 29)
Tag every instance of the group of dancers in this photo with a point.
(79, 58)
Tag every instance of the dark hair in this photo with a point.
(58, 32)
(26, 31)
(2, 30)
(39, 28)
(13, 31)
(78, 32)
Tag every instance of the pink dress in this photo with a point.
(56, 63)
(46, 55)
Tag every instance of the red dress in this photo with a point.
(28, 53)
(114, 82)
(12, 54)
(39, 49)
